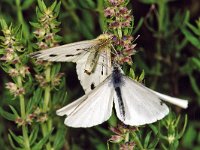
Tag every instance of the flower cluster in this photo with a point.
(11, 44)
(13, 63)
(119, 15)
(14, 89)
(120, 22)
(54, 82)
(125, 49)
(36, 116)
(122, 136)
(22, 71)
(47, 27)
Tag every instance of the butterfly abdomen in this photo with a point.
(117, 82)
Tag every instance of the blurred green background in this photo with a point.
(168, 50)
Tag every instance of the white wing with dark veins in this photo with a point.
(66, 53)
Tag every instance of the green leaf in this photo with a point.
(139, 25)
(194, 29)
(12, 143)
(18, 139)
(33, 135)
(37, 96)
(36, 25)
(42, 5)
(42, 142)
(189, 137)
(57, 9)
(55, 69)
(14, 111)
(195, 62)
(59, 138)
(84, 30)
(26, 4)
(148, 1)
(184, 127)
(147, 139)
(7, 115)
(3, 24)
(53, 6)
(131, 73)
(152, 145)
(141, 76)
(195, 87)
(87, 4)
(191, 38)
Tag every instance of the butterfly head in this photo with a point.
(105, 37)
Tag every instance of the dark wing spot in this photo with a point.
(68, 55)
(53, 55)
(102, 70)
(92, 86)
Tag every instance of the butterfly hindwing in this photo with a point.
(100, 73)
(92, 109)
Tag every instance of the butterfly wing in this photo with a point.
(101, 72)
(91, 109)
(141, 106)
(176, 101)
(66, 53)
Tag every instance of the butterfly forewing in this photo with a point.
(67, 52)
(141, 106)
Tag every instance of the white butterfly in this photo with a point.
(135, 104)
(92, 58)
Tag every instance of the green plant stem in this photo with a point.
(161, 29)
(47, 127)
(161, 15)
(23, 115)
(47, 91)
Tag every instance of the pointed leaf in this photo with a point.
(18, 139)
(141, 76)
(42, 5)
(190, 37)
(147, 139)
(7, 115)
(12, 143)
(26, 4)
(60, 138)
(53, 6)
(42, 142)
(14, 111)
(33, 135)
